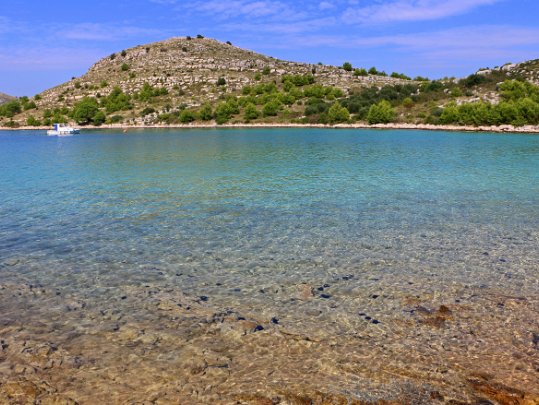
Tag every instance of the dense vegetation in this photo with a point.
(519, 105)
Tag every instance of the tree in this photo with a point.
(85, 110)
(373, 71)
(360, 72)
(381, 113)
(450, 114)
(338, 113)
(221, 81)
(347, 66)
(271, 108)
(200, 36)
(117, 100)
(10, 109)
(225, 111)
(125, 67)
(251, 112)
(187, 116)
(99, 118)
(206, 112)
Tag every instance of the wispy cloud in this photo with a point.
(47, 58)
(411, 10)
(247, 9)
(325, 5)
(282, 28)
(470, 37)
(101, 32)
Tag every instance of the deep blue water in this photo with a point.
(264, 198)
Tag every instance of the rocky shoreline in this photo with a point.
(527, 129)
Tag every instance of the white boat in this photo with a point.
(62, 130)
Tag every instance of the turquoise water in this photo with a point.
(104, 196)
(232, 215)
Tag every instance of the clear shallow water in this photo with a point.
(247, 218)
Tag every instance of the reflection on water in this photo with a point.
(243, 266)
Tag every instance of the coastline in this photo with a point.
(527, 129)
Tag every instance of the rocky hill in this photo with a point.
(4, 98)
(192, 71)
(185, 80)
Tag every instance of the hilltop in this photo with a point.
(185, 80)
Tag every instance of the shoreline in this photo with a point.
(527, 129)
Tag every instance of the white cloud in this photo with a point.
(100, 32)
(247, 9)
(282, 28)
(411, 10)
(474, 37)
(470, 46)
(47, 58)
(325, 5)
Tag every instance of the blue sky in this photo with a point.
(44, 43)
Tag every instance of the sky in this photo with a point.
(45, 43)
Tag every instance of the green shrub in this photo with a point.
(271, 108)
(337, 113)
(33, 122)
(381, 113)
(206, 112)
(225, 111)
(298, 80)
(117, 100)
(360, 72)
(408, 103)
(187, 116)
(10, 109)
(148, 92)
(85, 110)
(316, 106)
(251, 112)
(347, 66)
(124, 67)
(221, 81)
(30, 106)
(147, 111)
(99, 118)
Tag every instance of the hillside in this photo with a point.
(188, 71)
(4, 98)
(184, 80)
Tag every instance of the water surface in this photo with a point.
(295, 230)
